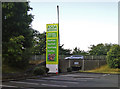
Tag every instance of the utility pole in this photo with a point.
(58, 26)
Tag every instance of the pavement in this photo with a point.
(64, 81)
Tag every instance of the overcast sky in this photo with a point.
(81, 23)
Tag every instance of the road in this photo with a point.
(65, 80)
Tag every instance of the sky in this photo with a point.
(81, 24)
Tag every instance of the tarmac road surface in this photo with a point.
(65, 80)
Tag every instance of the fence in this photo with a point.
(89, 62)
(43, 57)
(38, 57)
(95, 57)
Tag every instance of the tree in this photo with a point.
(14, 53)
(16, 24)
(113, 57)
(39, 47)
(99, 49)
(63, 51)
(77, 51)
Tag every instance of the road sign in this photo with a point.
(52, 47)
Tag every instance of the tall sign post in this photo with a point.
(52, 48)
(58, 25)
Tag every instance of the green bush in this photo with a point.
(69, 69)
(39, 71)
(113, 57)
(46, 69)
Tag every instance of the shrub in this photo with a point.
(113, 57)
(46, 69)
(69, 69)
(39, 71)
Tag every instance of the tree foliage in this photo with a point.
(14, 55)
(63, 51)
(99, 49)
(113, 57)
(77, 51)
(39, 43)
(16, 31)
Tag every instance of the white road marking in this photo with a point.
(69, 75)
(105, 74)
(52, 85)
(72, 82)
(34, 80)
(8, 86)
(65, 82)
(56, 81)
(24, 82)
(51, 78)
(85, 78)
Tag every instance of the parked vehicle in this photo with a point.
(75, 57)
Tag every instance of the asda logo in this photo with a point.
(52, 28)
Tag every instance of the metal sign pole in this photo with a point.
(58, 35)
(58, 24)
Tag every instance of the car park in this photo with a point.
(75, 57)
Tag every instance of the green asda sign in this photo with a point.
(52, 27)
(52, 44)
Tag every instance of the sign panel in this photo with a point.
(52, 47)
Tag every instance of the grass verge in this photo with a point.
(8, 69)
(104, 69)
